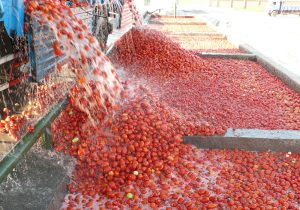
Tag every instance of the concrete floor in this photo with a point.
(38, 182)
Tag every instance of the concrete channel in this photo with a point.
(237, 56)
(250, 140)
(287, 77)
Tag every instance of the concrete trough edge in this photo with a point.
(242, 143)
(237, 56)
(250, 140)
(282, 73)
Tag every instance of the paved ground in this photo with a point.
(276, 37)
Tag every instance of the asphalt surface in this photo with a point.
(276, 37)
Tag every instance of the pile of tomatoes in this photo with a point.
(224, 93)
(128, 150)
(138, 161)
(157, 54)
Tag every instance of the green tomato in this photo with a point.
(136, 173)
(129, 195)
(76, 139)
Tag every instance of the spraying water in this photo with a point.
(93, 71)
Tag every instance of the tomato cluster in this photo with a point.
(40, 99)
(225, 93)
(193, 35)
(155, 53)
(205, 44)
(139, 162)
(261, 180)
(12, 124)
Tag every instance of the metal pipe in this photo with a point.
(23, 146)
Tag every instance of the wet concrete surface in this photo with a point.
(38, 182)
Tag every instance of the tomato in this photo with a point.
(56, 48)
